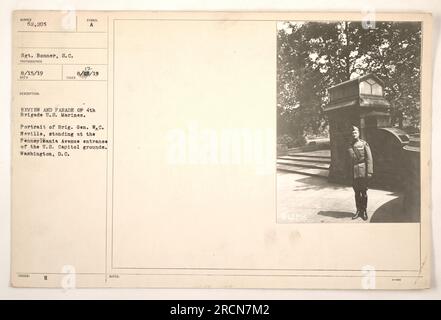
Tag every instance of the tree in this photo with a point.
(313, 56)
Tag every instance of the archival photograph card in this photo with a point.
(221, 150)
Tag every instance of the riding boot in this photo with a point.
(358, 204)
(364, 214)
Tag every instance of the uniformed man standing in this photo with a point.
(362, 170)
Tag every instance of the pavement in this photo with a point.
(313, 199)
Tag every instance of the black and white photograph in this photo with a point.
(348, 122)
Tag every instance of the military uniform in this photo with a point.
(362, 169)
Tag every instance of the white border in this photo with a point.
(6, 8)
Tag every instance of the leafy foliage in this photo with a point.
(313, 56)
(291, 142)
